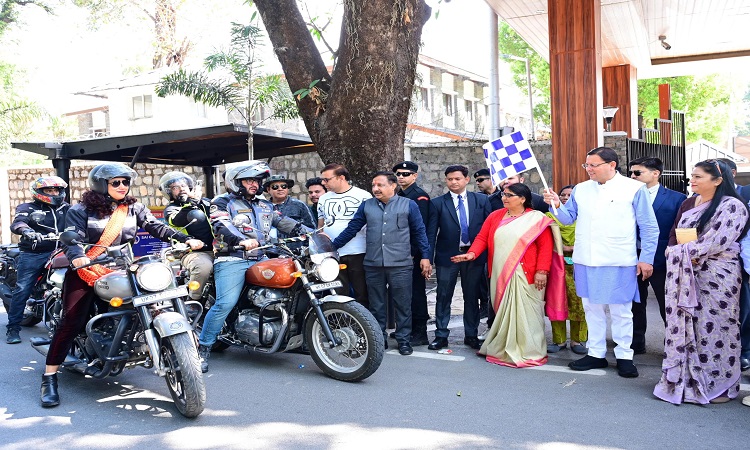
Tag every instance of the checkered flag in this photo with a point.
(508, 156)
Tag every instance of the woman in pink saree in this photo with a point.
(702, 338)
(522, 267)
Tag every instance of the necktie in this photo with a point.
(462, 220)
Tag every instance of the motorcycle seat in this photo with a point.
(13, 252)
(60, 261)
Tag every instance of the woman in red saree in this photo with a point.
(526, 268)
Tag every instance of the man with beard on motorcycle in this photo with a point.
(185, 198)
(105, 216)
(49, 199)
(243, 184)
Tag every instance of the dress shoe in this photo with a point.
(50, 397)
(554, 348)
(744, 364)
(588, 362)
(405, 349)
(13, 337)
(638, 350)
(626, 368)
(472, 342)
(419, 339)
(438, 343)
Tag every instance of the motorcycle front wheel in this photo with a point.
(184, 377)
(361, 349)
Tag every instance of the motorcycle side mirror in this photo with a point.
(38, 216)
(69, 238)
(196, 216)
(240, 219)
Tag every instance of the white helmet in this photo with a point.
(169, 178)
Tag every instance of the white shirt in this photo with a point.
(342, 207)
(652, 191)
(466, 210)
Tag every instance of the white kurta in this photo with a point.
(605, 254)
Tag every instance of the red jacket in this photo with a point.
(537, 257)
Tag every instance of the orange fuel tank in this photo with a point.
(272, 273)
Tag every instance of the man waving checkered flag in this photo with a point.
(509, 155)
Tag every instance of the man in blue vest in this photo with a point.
(393, 224)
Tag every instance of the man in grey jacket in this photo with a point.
(393, 223)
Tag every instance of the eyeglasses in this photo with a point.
(326, 180)
(404, 174)
(507, 194)
(177, 187)
(586, 166)
(637, 172)
(116, 183)
(278, 186)
(480, 180)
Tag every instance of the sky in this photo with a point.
(61, 55)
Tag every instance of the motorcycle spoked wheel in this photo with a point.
(184, 378)
(29, 319)
(361, 349)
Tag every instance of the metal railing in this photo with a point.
(665, 141)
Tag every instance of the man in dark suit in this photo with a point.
(455, 219)
(666, 203)
(744, 192)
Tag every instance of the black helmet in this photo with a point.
(258, 170)
(169, 178)
(38, 186)
(101, 174)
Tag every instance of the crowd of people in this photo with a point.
(521, 256)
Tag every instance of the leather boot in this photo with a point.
(50, 397)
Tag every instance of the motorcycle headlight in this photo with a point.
(327, 270)
(154, 277)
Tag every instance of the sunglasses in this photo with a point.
(479, 180)
(404, 174)
(278, 186)
(637, 172)
(117, 183)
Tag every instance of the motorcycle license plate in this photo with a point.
(325, 286)
(163, 295)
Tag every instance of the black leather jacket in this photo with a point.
(54, 219)
(89, 227)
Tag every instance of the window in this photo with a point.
(142, 107)
(469, 108)
(448, 106)
(424, 98)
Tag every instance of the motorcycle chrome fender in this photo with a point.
(170, 323)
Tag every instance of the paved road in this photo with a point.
(421, 401)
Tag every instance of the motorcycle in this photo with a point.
(288, 303)
(141, 320)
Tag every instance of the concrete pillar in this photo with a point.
(575, 85)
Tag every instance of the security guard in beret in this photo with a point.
(406, 173)
(484, 181)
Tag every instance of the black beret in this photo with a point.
(482, 173)
(406, 165)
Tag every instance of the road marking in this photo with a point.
(550, 368)
(745, 387)
(430, 355)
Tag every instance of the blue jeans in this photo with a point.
(229, 277)
(472, 276)
(398, 280)
(30, 266)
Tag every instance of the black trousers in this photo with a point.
(354, 276)
(656, 281)
(419, 313)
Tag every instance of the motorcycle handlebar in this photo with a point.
(99, 260)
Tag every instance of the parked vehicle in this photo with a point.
(288, 303)
(141, 320)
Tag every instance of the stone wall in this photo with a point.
(145, 188)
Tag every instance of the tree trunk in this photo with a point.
(359, 116)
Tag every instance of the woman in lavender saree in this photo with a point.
(702, 339)
(523, 268)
